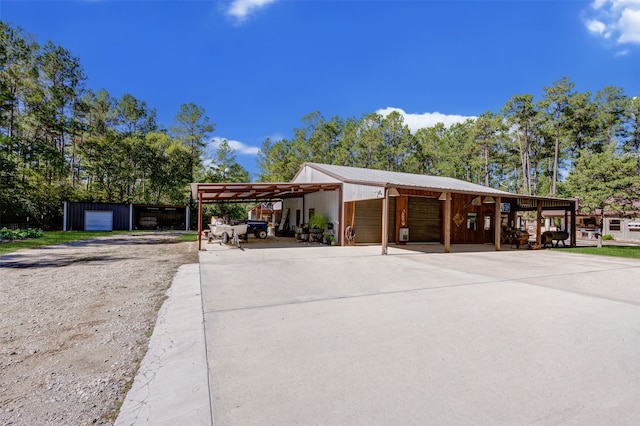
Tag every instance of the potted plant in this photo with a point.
(317, 223)
(331, 239)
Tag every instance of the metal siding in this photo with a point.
(368, 223)
(292, 204)
(354, 192)
(624, 233)
(75, 216)
(311, 175)
(323, 202)
(424, 219)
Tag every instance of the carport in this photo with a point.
(382, 207)
(253, 192)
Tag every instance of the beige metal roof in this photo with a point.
(397, 179)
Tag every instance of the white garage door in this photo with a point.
(98, 221)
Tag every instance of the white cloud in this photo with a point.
(427, 119)
(619, 19)
(596, 26)
(242, 9)
(629, 25)
(238, 147)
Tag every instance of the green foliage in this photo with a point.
(318, 221)
(60, 141)
(605, 181)
(608, 237)
(52, 238)
(632, 252)
(20, 234)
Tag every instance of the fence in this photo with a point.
(14, 226)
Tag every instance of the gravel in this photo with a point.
(75, 322)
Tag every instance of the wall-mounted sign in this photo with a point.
(505, 207)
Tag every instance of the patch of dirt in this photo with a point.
(75, 322)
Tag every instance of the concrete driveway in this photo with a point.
(343, 335)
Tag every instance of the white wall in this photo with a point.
(292, 204)
(309, 175)
(323, 202)
(353, 192)
(624, 234)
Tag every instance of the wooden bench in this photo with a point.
(548, 237)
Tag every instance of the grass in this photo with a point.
(188, 237)
(632, 252)
(53, 238)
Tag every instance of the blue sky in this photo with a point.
(258, 66)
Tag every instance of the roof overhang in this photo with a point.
(237, 192)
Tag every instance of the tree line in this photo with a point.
(60, 141)
(565, 143)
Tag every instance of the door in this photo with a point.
(424, 219)
(98, 220)
(368, 221)
(488, 228)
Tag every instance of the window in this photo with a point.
(472, 219)
(614, 225)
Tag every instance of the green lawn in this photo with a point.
(52, 238)
(617, 251)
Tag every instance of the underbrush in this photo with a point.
(20, 234)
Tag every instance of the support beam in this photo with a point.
(497, 224)
(341, 226)
(573, 241)
(538, 222)
(199, 221)
(447, 222)
(385, 221)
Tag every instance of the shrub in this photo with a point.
(318, 221)
(608, 237)
(19, 234)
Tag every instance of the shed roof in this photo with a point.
(257, 191)
(399, 179)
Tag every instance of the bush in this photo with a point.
(608, 237)
(19, 234)
(318, 221)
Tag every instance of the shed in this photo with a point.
(379, 207)
(122, 217)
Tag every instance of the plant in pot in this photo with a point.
(317, 223)
(331, 239)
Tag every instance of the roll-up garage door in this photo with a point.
(424, 219)
(98, 220)
(368, 224)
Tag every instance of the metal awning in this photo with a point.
(221, 192)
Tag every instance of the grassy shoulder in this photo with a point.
(632, 252)
(53, 238)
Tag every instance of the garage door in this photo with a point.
(424, 219)
(98, 221)
(368, 221)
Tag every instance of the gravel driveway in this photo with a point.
(76, 320)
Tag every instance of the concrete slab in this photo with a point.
(171, 386)
(342, 335)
